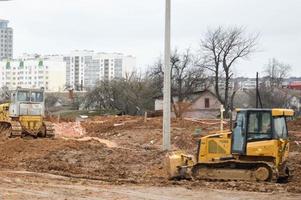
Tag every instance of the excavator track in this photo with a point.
(235, 171)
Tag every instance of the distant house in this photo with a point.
(296, 85)
(201, 105)
(294, 97)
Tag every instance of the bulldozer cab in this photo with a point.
(27, 102)
(27, 95)
(258, 125)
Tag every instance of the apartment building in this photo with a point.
(249, 84)
(6, 40)
(34, 72)
(79, 70)
(85, 68)
(76, 64)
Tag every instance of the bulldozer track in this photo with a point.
(11, 129)
(234, 171)
(49, 129)
(14, 129)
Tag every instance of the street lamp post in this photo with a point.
(167, 74)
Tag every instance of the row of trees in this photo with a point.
(212, 65)
(132, 95)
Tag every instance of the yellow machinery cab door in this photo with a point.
(239, 134)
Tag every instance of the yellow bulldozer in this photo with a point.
(255, 150)
(24, 115)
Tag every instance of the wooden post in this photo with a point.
(145, 117)
(222, 117)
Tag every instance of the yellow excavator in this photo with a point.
(256, 150)
(24, 115)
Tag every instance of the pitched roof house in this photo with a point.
(200, 105)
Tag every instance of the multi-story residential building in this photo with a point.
(76, 63)
(6, 40)
(46, 72)
(79, 70)
(249, 84)
(85, 68)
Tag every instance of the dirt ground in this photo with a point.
(26, 185)
(125, 151)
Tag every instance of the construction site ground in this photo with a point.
(121, 157)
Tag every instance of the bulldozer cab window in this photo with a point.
(280, 128)
(259, 126)
(23, 96)
(37, 96)
(239, 136)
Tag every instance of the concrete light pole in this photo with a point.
(167, 74)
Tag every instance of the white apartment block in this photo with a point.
(248, 85)
(85, 68)
(6, 40)
(47, 72)
(76, 64)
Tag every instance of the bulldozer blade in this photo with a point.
(178, 164)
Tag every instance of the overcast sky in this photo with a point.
(137, 27)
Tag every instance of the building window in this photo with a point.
(21, 64)
(8, 65)
(207, 103)
(40, 63)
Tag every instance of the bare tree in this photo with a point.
(186, 78)
(275, 72)
(271, 98)
(222, 48)
(100, 96)
(271, 92)
(51, 100)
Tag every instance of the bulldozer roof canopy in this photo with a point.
(275, 111)
(30, 89)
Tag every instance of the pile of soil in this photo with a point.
(132, 131)
(84, 159)
(295, 125)
(103, 124)
(96, 161)
(15, 152)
